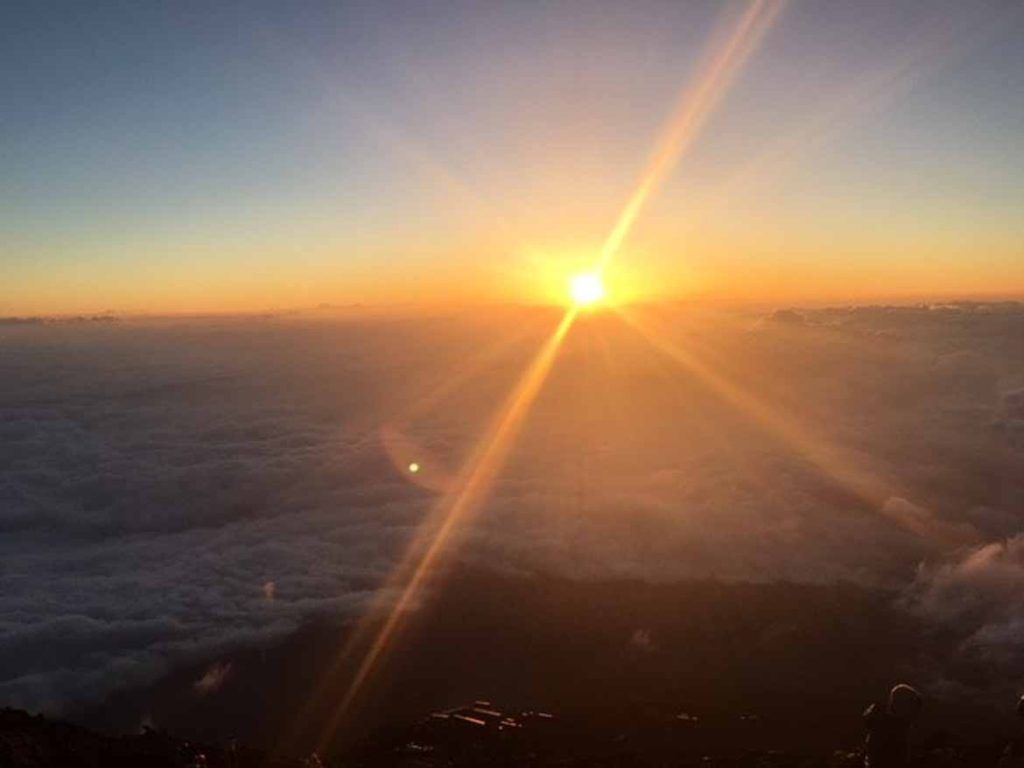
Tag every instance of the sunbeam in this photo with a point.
(397, 434)
(691, 113)
(478, 473)
(426, 384)
(451, 512)
(837, 464)
(933, 46)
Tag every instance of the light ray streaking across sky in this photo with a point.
(452, 511)
(938, 43)
(836, 463)
(479, 472)
(690, 115)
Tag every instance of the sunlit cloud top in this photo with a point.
(202, 157)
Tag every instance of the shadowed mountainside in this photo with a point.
(803, 659)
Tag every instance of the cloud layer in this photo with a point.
(172, 490)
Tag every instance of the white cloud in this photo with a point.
(979, 597)
(170, 492)
(213, 679)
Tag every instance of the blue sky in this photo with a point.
(333, 145)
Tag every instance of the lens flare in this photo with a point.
(842, 466)
(585, 290)
(449, 517)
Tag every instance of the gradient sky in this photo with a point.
(166, 157)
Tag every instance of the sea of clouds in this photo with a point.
(170, 490)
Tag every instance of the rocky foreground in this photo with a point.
(478, 734)
(33, 741)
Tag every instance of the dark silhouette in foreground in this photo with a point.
(33, 741)
(1013, 755)
(482, 734)
(888, 728)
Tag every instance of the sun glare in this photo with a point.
(586, 289)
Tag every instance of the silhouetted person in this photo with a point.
(1013, 755)
(888, 728)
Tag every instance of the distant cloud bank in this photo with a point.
(169, 491)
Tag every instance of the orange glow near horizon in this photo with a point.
(530, 288)
(463, 493)
(693, 110)
(586, 289)
(767, 210)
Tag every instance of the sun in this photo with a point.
(586, 289)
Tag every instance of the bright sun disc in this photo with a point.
(586, 289)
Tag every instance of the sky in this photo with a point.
(222, 157)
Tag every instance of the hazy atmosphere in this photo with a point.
(214, 157)
(458, 384)
(173, 489)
